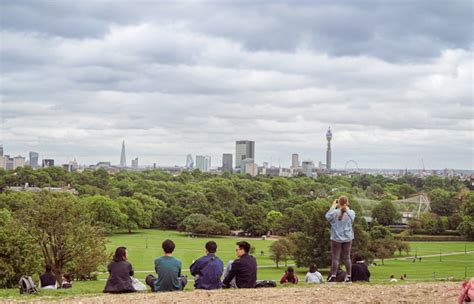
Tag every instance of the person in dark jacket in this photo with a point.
(360, 271)
(289, 276)
(243, 269)
(208, 269)
(48, 279)
(120, 273)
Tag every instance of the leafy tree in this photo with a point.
(153, 206)
(225, 217)
(106, 212)
(405, 190)
(212, 227)
(20, 254)
(254, 220)
(272, 218)
(190, 223)
(136, 215)
(442, 202)
(282, 250)
(172, 216)
(386, 213)
(65, 233)
(466, 227)
(402, 246)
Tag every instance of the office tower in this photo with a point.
(3, 162)
(308, 166)
(244, 164)
(203, 163)
(135, 163)
(34, 159)
(243, 149)
(295, 162)
(226, 162)
(1, 150)
(48, 163)
(328, 152)
(189, 162)
(18, 162)
(123, 160)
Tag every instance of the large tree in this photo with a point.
(386, 213)
(65, 234)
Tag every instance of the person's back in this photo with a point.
(48, 279)
(360, 271)
(208, 269)
(120, 273)
(313, 276)
(168, 269)
(244, 269)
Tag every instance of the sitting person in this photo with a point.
(208, 269)
(392, 279)
(67, 281)
(289, 276)
(313, 276)
(360, 271)
(243, 269)
(120, 273)
(168, 269)
(48, 279)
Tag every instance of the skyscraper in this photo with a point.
(243, 149)
(226, 162)
(203, 163)
(295, 162)
(189, 162)
(135, 163)
(328, 152)
(34, 159)
(1, 150)
(123, 160)
(48, 163)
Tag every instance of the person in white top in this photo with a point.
(313, 276)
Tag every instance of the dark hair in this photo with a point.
(313, 268)
(290, 274)
(120, 254)
(67, 277)
(358, 257)
(48, 267)
(290, 269)
(168, 246)
(211, 246)
(244, 245)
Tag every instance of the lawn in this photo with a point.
(145, 245)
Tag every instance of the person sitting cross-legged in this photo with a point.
(243, 269)
(289, 276)
(168, 269)
(208, 269)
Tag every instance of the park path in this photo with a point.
(428, 256)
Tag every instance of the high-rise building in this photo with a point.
(123, 160)
(1, 150)
(8, 162)
(226, 162)
(203, 163)
(244, 164)
(328, 152)
(3, 162)
(48, 163)
(243, 149)
(308, 166)
(135, 163)
(18, 162)
(251, 168)
(34, 159)
(189, 162)
(295, 162)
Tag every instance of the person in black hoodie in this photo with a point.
(48, 279)
(243, 269)
(120, 273)
(360, 271)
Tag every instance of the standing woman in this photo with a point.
(342, 234)
(120, 273)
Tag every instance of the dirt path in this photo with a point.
(445, 292)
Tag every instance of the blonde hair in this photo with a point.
(343, 201)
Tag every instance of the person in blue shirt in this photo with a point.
(208, 269)
(342, 234)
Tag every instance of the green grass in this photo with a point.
(145, 245)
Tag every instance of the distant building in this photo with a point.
(295, 162)
(265, 164)
(18, 162)
(67, 167)
(34, 159)
(48, 163)
(308, 166)
(8, 162)
(328, 152)
(104, 165)
(273, 171)
(123, 160)
(244, 164)
(227, 162)
(1, 150)
(203, 163)
(189, 162)
(243, 149)
(321, 166)
(3, 162)
(251, 168)
(135, 163)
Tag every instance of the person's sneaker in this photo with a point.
(348, 280)
(332, 279)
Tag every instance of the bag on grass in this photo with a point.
(26, 285)
(265, 284)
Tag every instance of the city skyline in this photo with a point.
(278, 74)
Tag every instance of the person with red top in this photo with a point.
(289, 277)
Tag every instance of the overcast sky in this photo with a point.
(392, 79)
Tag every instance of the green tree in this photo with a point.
(466, 227)
(136, 215)
(282, 250)
(151, 205)
(443, 203)
(272, 217)
(254, 220)
(386, 213)
(106, 212)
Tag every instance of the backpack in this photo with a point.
(26, 285)
(265, 284)
(467, 292)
